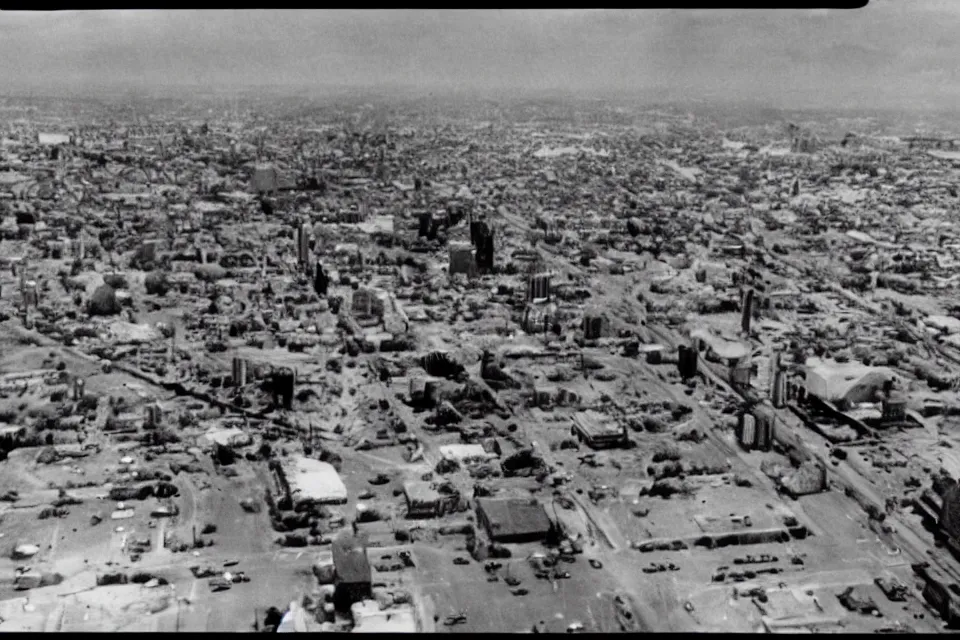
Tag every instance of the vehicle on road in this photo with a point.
(455, 619)
(219, 584)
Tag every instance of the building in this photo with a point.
(747, 310)
(593, 327)
(461, 259)
(425, 225)
(756, 428)
(483, 240)
(536, 319)
(350, 216)
(321, 281)
(597, 430)
(747, 431)
(368, 617)
(687, 361)
(11, 437)
(52, 139)
(305, 481)
(809, 478)
(353, 582)
(239, 370)
(303, 245)
(465, 453)
(894, 409)
(845, 384)
(423, 501)
(283, 383)
(538, 287)
(513, 519)
(950, 512)
(265, 179)
(367, 303)
(937, 592)
(778, 389)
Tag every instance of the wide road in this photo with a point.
(905, 536)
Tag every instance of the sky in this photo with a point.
(892, 52)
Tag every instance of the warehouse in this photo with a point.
(306, 481)
(423, 501)
(513, 520)
(465, 453)
(845, 385)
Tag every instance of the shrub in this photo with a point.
(157, 283)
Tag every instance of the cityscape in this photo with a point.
(491, 322)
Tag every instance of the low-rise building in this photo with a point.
(307, 481)
(513, 520)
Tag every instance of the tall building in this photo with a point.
(321, 281)
(303, 245)
(747, 311)
(483, 239)
(538, 287)
(461, 259)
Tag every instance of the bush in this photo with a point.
(654, 424)
(665, 452)
(115, 280)
(157, 283)
(103, 302)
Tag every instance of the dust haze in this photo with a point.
(887, 54)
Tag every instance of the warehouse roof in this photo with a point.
(462, 452)
(514, 517)
(369, 618)
(726, 349)
(313, 480)
(420, 492)
(835, 381)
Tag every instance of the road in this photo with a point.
(906, 537)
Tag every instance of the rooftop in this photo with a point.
(313, 480)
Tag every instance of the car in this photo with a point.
(461, 561)
(455, 619)
(219, 584)
(575, 627)
(202, 572)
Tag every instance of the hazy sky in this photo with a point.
(890, 51)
